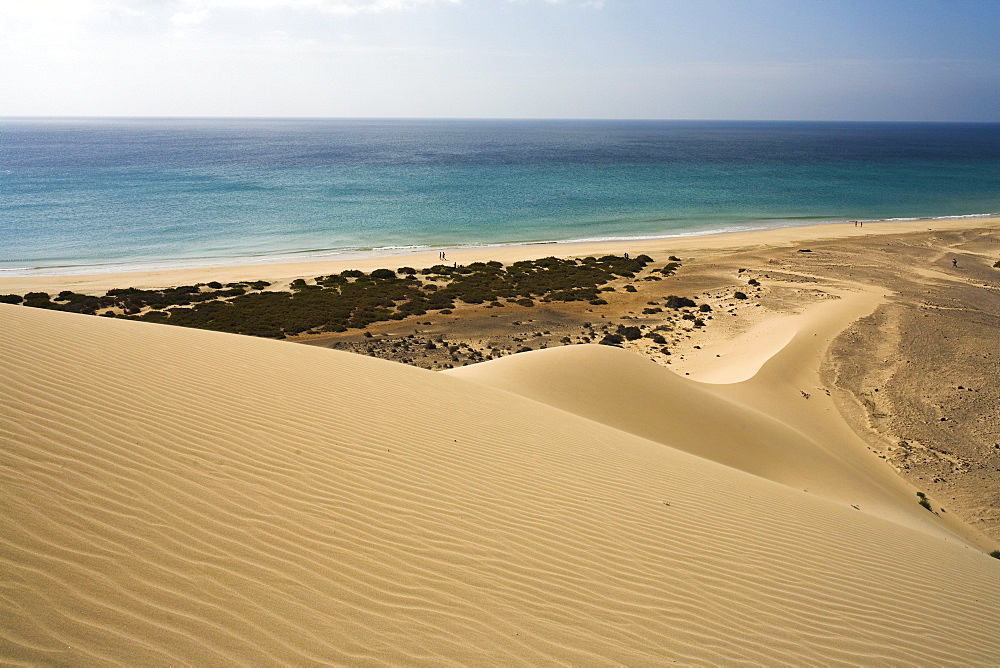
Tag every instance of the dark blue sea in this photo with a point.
(116, 194)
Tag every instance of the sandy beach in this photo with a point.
(808, 476)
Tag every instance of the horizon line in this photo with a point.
(473, 118)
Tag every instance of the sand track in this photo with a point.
(179, 497)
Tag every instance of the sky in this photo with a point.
(885, 60)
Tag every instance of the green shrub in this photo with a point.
(995, 553)
(924, 501)
(39, 300)
(675, 302)
(670, 268)
(11, 299)
(630, 333)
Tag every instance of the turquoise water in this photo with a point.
(117, 194)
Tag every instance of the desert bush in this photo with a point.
(705, 308)
(383, 274)
(739, 295)
(924, 501)
(630, 333)
(215, 285)
(11, 299)
(611, 340)
(155, 316)
(39, 300)
(675, 302)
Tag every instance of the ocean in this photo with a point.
(96, 195)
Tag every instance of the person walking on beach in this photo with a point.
(954, 262)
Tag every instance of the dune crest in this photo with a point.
(181, 497)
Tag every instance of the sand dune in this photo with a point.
(185, 497)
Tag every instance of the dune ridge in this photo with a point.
(186, 497)
(763, 422)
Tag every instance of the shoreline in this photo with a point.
(829, 418)
(279, 272)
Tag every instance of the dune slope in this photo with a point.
(184, 497)
(765, 423)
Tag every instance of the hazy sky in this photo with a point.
(713, 59)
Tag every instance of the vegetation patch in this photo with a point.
(924, 501)
(352, 299)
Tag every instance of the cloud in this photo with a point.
(66, 11)
(189, 18)
(340, 7)
(591, 4)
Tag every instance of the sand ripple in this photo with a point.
(175, 497)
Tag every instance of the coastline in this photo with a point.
(833, 427)
(282, 271)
